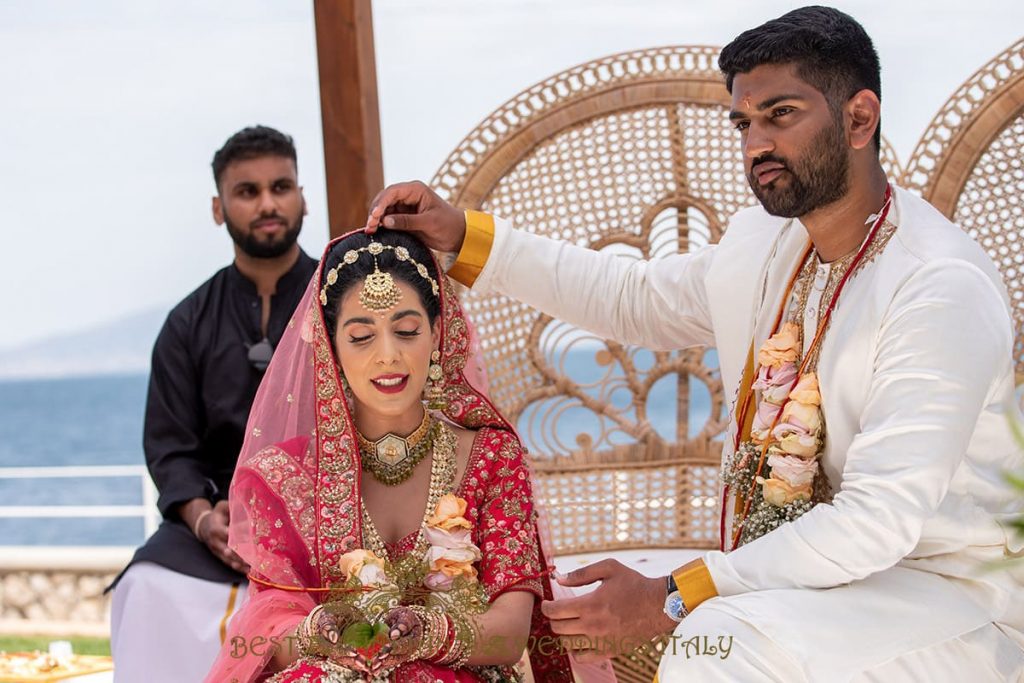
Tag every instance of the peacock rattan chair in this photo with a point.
(632, 153)
(970, 165)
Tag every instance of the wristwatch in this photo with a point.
(675, 608)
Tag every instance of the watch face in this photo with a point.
(674, 607)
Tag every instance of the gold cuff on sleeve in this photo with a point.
(694, 583)
(476, 248)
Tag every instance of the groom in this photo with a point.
(893, 330)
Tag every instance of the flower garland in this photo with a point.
(786, 434)
(443, 580)
(788, 425)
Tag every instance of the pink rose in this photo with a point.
(774, 383)
(451, 554)
(438, 581)
(794, 471)
(458, 538)
(438, 556)
(763, 421)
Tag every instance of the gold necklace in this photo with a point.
(391, 458)
(442, 481)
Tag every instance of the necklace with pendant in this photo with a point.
(442, 480)
(391, 459)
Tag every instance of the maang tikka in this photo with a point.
(435, 383)
(380, 291)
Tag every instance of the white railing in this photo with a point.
(147, 510)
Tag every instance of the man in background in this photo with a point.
(173, 601)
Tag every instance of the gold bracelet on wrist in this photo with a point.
(305, 633)
(434, 633)
(463, 641)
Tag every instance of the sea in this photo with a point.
(98, 421)
(61, 422)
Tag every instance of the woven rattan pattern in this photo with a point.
(632, 153)
(991, 210)
(970, 165)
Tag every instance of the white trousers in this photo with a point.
(898, 626)
(168, 627)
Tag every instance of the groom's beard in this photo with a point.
(818, 178)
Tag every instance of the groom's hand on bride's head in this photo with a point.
(416, 208)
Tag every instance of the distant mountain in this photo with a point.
(118, 347)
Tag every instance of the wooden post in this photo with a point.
(353, 166)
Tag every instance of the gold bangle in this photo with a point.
(463, 642)
(435, 633)
(307, 639)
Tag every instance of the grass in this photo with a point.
(81, 645)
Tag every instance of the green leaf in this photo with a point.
(1015, 427)
(358, 635)
(1016, 481)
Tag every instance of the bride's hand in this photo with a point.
(327, 629)
(405, 636)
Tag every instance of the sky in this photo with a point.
(112, 110)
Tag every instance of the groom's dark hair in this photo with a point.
(831, 51)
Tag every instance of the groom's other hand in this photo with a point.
(623, 613)
(416, 208)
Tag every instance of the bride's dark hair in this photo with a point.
(351, 274)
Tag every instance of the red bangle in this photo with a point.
(448, 643)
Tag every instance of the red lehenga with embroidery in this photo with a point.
(296, 507)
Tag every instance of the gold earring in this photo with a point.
(346, 391)
(435, 383)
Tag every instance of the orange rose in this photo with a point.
(449, 513)
(804, 416)
(453, 569)
(780, 347)
(364, 565)
(806, 390)
(779, 493)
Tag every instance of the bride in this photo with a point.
(389, 540)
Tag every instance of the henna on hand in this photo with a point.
(406, 636)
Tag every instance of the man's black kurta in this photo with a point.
(201, 388)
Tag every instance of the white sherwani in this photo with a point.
(886, 582)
